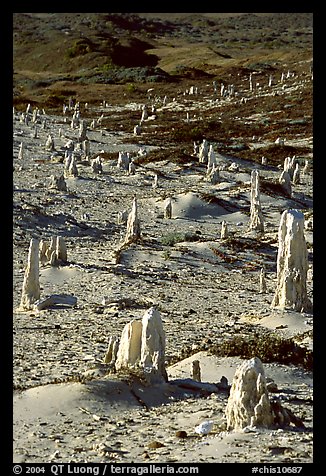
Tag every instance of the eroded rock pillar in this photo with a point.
(31, 283)
(248, 403)
(292, 264)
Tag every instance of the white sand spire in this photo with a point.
(31, 283)
(292, 264)
(256, 216)
(168, 208)
(133, 224)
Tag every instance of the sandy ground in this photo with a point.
(67, 407)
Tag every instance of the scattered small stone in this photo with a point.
(155, 444)
(181, 434)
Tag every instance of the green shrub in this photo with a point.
(174, 237)
(79, 48)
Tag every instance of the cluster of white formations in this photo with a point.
(141, 347)
(292, 264)
(291, 173)
(53, 253)
(248, 403)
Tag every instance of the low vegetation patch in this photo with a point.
(170, 239)
(269, 348)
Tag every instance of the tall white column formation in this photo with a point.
(195, 370)
(256, 216)
(133, 224)
(168, 208)
(96, 165)
(248, 403)
(285, 181)
(211, 161)
(296, 175)
(49, 145)
(21, 151)
(123, 160)
(31, 283)
(70, 166)
(292, 264)
(203, 152)
(152, 352)
(262, 282)
(214, 175)
(224, 230)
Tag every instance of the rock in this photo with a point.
(152, 354)
(296, 175)
(132, 168)
(224, 230)
(111, 353)
(137, 130)
(58, 183)
(96, 165)
(31, 283)
(82, 133)
(223, 384)
(55, 299)
(214, 175)
(122, 217)
(256, 216)
(54, 253)
(181, 434)
(262, 282)
(155, 181)
(155, 445)
(133, 225)
(128, 354)
(195, 370)
(21, 151)
(201, 387)
(283, 417)
(203, 152)
(211, 160)
(168, 208)
(248, 403)
(142, 347)
(70, 167)
(292, 264)
(61, 250)
(123, 161)
(290, 165)
(285, 181)
(204, 428)
(49, 145)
